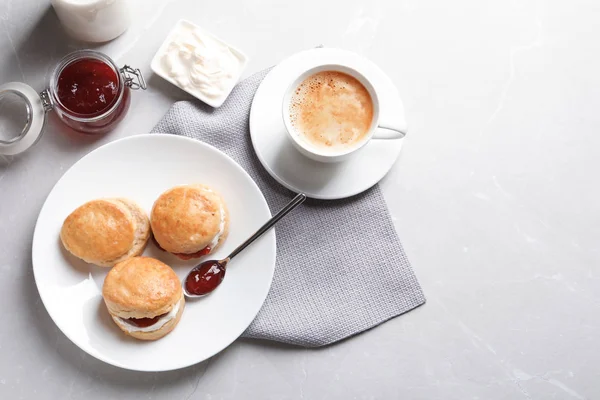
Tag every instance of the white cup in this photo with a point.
(378, 130)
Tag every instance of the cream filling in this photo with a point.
(124, 324)
(215, 240)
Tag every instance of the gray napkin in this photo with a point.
(340, 266)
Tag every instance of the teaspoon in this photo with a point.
(208, 275)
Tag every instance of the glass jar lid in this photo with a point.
(22, 117)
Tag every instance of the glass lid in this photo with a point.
(22, 118)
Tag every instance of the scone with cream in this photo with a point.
(144, 297)
(106, 231)
(189, 221)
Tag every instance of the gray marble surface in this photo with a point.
(495, 198)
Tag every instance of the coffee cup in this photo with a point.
(332, 111)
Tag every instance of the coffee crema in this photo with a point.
(331, 110)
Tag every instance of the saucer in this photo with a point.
(327, 181)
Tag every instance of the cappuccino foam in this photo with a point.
(331, 110)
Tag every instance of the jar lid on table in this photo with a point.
(23, 115)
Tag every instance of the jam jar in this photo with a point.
(87, 91)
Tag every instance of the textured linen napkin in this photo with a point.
(340, 266)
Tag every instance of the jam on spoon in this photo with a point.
(207, 276)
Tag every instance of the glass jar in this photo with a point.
(87, 90)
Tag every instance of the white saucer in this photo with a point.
(301, 174)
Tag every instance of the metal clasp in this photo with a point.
(46, 100)
(133, 78)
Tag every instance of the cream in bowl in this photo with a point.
(199, 63)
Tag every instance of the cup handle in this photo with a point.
(389, 131)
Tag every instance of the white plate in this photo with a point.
(156, 64)
(301, 174)
(140, 168)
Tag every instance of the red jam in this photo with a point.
(91, 95)
(144, 322)
(205, 278)
(88, 86)
(197, 254)
(185, 256)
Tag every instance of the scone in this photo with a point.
(189, 221)
(106, 231)
(144, 297)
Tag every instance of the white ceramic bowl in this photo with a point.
(158, 68)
